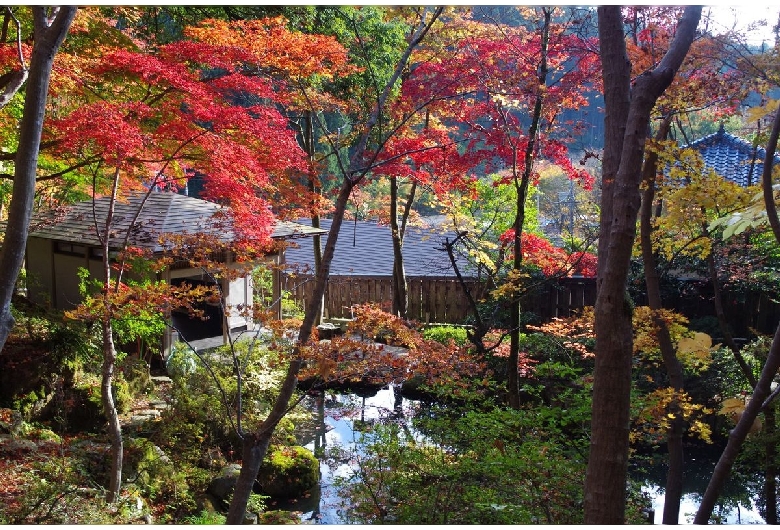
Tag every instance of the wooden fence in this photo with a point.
(441, 300)
(438, 299)
(746, 312)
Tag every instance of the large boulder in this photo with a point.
(288, 471)
(221, 488)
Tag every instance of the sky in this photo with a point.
(745, 17)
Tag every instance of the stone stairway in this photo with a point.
(151, 409)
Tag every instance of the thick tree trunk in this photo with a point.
(627, 112)
(48, 38)
(605, 480)
(674, 435)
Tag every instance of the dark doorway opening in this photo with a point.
(194, 328)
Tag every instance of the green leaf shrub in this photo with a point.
(496, 467)
(444, 334)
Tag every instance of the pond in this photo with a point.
(735, 506)
(341, 416)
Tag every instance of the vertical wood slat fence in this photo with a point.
(441, 300)
(437, 299)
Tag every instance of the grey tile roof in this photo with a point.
(163, 213)
(365, 248)
(731, 157)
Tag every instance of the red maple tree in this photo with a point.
(141, 119)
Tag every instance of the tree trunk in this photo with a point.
(109, 355)
(605, 479)
(109, 409)
(12, 81)
(521, 188)
(255, 445)
(48, 38)
(720, 314)
(400, 291)
(307, 136)
(476, 332)
(770, 472)
(674, 435)
(400, 295)
(739, 433)
(768, 372)
(627, 119)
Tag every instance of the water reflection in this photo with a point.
(689, 503)
(339, 420)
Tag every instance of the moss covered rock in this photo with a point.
(279, 517)
(288, 471)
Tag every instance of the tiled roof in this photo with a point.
(163, 213)
(731, 157)
(365, 248)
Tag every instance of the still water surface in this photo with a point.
(339, 417)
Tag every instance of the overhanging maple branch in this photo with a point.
(393, 158)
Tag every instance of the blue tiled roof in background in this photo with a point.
(732, 157)
(365, 248)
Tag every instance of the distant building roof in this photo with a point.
(732, 157)
(162, 213)
(365, 248)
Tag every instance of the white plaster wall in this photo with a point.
(238, 300)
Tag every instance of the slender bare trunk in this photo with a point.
(109, 409)
(400, 295)
(771, 365)
(521, 189)
(255, 444)
(400, 291)
(48, 38)
(674, 434)
(720, 314)
(476, 333)
(770, 471)
(739, 433)
(110, 355)
(307, 134)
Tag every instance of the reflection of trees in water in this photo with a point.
(742, 488)
(360, 416)
(364, 412)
